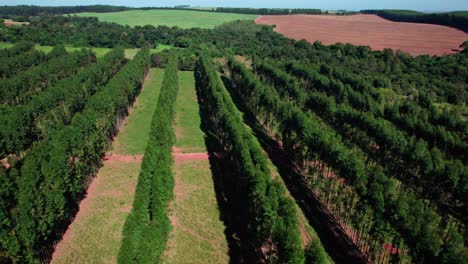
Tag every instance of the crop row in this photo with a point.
(147, 228)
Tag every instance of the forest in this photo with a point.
(457, 20)
(377, 140)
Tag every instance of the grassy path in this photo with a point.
(96, 233)
(198, 233)
(135, 132)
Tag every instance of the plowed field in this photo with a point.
(369, 30)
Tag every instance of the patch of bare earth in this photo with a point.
(369, 30)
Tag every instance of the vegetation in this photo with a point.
(54, 107)
(268, 11)
(12, 65)
(20, 88)
(170, 18)
(40, 197)
(381, 198)
(376, 138)
(133, 137)
(187, 121)
(266, 217)
(457, 20)
(147, 228)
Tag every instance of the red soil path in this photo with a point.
(369, 30)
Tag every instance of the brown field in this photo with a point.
(369, 30)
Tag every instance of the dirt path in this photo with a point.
(369, 30)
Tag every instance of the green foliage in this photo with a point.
(12, 65)
(268, 11)
(54, 107)
(457, 20)
(55, 171)
(20, 88)
(147, 228)
(267, 217)
(170, 18)
(394, 150)
(315, 253)
(17, 49)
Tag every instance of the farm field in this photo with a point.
(198, 233)
(369, 30)
(96, 233)
(170, 18)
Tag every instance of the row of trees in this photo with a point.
(415, 120)
(266, 218)
(268, 11)
(459, 21)
(18, 48)
(12, 65)
(54, 107)
(32, 10)
(363, 97)
(55, 172)
(21, 87)
(308, 142)
(147, 228)
(441, 178)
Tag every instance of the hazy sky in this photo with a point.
(422, 5)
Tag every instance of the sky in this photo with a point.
(419, 5)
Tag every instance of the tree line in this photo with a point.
(305, 139)
(451, 19)
(267, 219)
(12, 65)
(440, 177)
(41, 195)
(22, 86)
(17, 49)
(55, 106)
(147, 228)
(268, 11)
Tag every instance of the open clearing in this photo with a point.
(369, 30)
(197, 232)
(96, 233)
(171, 18)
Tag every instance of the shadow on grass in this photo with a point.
(334, 239)
(224, 174)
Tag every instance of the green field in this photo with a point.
(129, 53)
(133, 136)
(187, 121)
(197, 232)
(171, 18)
